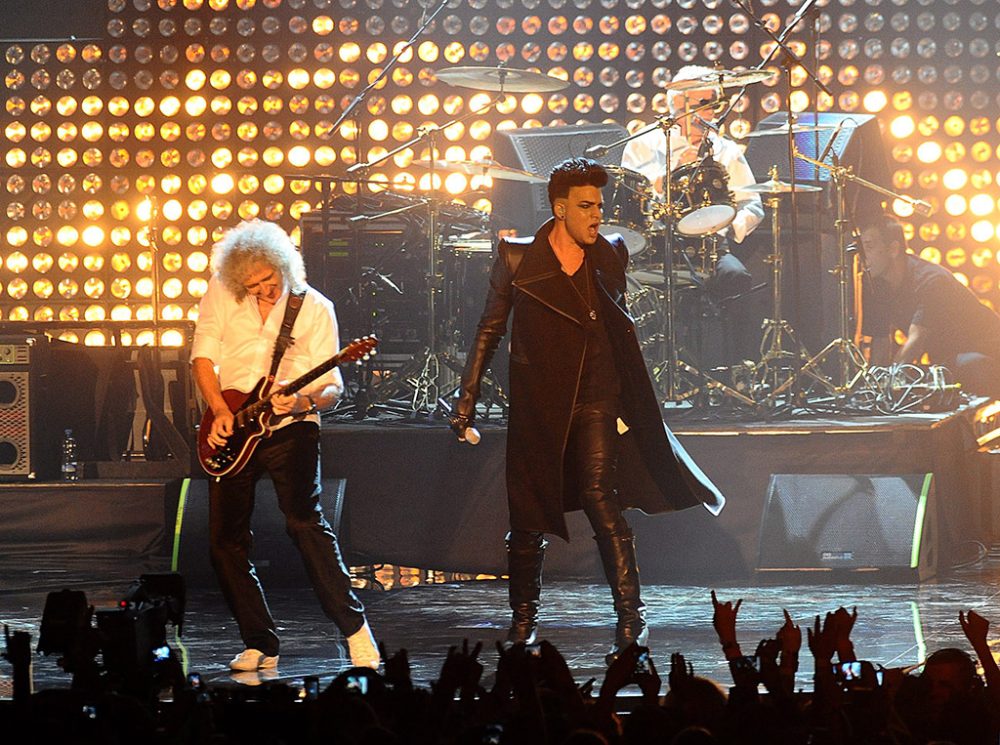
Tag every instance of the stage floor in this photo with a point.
(898, 624)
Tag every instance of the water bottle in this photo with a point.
(69, 465)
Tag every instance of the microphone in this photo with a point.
(596, 150)
(829, 144)
(922, 207)
(468, 434)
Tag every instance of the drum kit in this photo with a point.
(684, 224)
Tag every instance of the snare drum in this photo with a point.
(627, 210)
(701, 194)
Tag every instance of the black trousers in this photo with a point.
(291, 457)
(591, 458)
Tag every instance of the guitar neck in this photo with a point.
(293, 386)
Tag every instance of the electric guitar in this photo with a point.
(252, 413)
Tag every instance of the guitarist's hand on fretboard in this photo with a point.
(295, 403)
(222, 428)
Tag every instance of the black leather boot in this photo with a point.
(618, 558)
(525, 552)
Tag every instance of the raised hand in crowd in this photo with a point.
(724, 621)
(976, 628)
(633, 666)
(789, 638)
(460, 672)
(681, 673)
(396, 668)
(842, 623)
(767, 664)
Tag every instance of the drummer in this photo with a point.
(647, 155)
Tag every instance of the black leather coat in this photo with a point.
(655, 473)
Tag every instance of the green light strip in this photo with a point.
(918, 520)
(178, 523)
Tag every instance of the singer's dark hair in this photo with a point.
(575, 172)
(888, 227)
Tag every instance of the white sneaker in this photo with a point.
(253, 677)
(361, 645)
(252, 659)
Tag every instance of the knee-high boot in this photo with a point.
(525, 552)
(618, 558)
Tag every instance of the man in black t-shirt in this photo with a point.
(939, 315)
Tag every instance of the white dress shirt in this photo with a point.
(647, 155)
(240, 344)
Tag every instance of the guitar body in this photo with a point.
(247, 433)
(252, 413)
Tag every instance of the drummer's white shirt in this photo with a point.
(647, 155)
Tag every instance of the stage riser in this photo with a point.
(436, 504)
(85, 531)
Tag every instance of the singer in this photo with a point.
(585, 430)
(940, 316)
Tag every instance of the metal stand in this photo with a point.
(775, 356)
(851, 364)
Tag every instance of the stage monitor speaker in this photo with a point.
(868, 525)
(28, 445)
(524, 207)
(277, 561)
(856, 142)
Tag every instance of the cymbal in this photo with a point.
(483, 168)
(777, 187)
(725, 78)
(506, 79)
(796, 129)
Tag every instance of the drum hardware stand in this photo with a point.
(776, 329)
(423, 375)
(853, 366)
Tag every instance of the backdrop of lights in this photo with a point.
(189, 115)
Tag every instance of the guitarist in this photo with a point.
(256, 271)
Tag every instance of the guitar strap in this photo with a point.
(285, 340)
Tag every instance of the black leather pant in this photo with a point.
(589, 467)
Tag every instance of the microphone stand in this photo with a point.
(421, 377)
(668, 369)
(853, 366)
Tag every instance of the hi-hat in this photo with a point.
(724, 78)
(796, 129)
(777, 187)
(506, 79)
(483, 168)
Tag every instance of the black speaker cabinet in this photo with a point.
(29, 446)
(868, 525)
(277, 561)
(524, 207)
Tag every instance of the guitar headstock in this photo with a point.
(359, 349)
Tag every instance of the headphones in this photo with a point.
(561, 214)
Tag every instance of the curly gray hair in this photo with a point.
(253, 241)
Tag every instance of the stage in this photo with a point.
(898, 624)
(408, 495)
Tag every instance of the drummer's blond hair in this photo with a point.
(249, 243)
